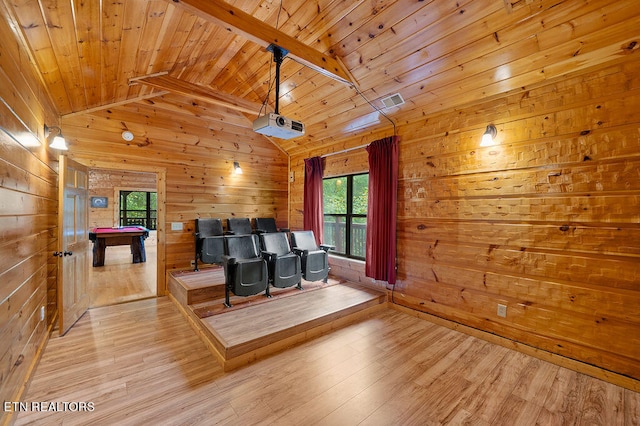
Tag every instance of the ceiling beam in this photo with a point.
(240, 22)
(115, 104)
(164, 81)
(174, 85)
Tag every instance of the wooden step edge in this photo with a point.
(232, 363)
(216, 344)
(200, 330)
(176, 290)
(193, 280)
(251, 345)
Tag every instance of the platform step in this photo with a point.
(192, 287)
(257, 326)
(244, 335)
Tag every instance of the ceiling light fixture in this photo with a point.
(489, 135)
(127, 136)
(236, 168)
(58, 141)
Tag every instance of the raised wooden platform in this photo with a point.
(189, 287)
(256, 327)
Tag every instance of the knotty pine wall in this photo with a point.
(195, 145)
(28, 218)
(546, 221)
(109, 183)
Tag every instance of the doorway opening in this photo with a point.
(131, 199)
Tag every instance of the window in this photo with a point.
(345, 200)
(138, 208)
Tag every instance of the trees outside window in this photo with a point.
(345, 201)
(139, 208)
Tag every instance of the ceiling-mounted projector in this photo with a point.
(276, 125)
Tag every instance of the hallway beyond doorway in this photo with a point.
(119, 280)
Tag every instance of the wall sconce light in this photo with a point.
(58, 141)
(489, 135)
(236, 168)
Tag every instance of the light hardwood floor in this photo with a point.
(141, 363)
(119, 280)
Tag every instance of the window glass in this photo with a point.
(138, 208)
(345, 201)
(334, 233)
(360, 197)
(359, 236)
(334, 193)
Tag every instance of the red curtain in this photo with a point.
(313, 215)
(382, 210)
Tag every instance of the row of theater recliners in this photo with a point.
(256, 258)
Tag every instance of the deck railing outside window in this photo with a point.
(149, 223)
(335, 234)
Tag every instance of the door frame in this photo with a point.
(161, 184)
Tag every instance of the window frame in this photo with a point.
(149, 218)
(348, 216)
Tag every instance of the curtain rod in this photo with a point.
(345, 150)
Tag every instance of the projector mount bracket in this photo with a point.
(278, 55)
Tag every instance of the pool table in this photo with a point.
(132, 236)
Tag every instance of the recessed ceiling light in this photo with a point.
(127, 136)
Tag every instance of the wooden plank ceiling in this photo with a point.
(438, 54)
